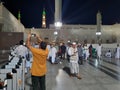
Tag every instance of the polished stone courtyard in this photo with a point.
(96, 75)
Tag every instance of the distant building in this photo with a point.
(79, 33)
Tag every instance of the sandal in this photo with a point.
(79, 77)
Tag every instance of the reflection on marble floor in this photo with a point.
(96, 75)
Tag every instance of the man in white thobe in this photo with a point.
(48, 47)
(52, 53)
(117, 52)
(74, 66)
(21, 50)
(99, 51)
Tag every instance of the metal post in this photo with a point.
(23, 74)
(9, 81)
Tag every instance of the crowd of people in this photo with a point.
(37, 54)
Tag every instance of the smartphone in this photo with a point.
(33, 35)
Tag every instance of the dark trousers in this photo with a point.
(80, 60)
(68, 58)
(63, 55)
(38, 82)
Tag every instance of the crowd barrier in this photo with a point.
(12, 74)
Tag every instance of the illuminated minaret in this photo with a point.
(44, 19)
(19, 16)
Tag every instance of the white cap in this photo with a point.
(74, 43)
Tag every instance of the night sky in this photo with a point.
(73, 11)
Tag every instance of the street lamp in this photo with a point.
(58, 24)
(98, 34)
(55, 33)
(55, 36)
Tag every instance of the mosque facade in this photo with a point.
(79, 33)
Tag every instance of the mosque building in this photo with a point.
(101, 74)
(79, 33)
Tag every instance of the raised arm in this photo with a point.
(39, 39)
(28, 40)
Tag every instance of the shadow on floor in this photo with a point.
(67, 70)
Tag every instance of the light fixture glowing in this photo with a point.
(98, 33)
(55, 33)
(58, 24)
(43, 23)
(68, 41)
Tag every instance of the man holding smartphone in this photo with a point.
(39, 68)
(74, 67)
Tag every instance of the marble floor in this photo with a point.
(96, 74)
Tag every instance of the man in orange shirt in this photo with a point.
(39, 68)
